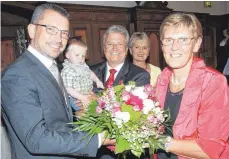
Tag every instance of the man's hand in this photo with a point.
(106, 141)
(109, 142)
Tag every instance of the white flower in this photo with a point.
(139, 92)
(128, 88)
(148, 105)
(156, 103)
(157, 110)
(124, 116)
(118, 122)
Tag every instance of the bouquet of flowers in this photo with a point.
(129, 114)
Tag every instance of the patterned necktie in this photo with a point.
(55, 72)
(110, 80)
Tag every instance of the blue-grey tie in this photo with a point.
(55, 72)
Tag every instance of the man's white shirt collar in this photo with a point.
(117, 68)
(44, 59)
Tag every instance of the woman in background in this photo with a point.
(197, 96)
(139, 49)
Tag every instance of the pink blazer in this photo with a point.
(204, 109)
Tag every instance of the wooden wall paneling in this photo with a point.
(84, 30)
(95, 20)
(148, 20)
(7, 52)
(92, 21)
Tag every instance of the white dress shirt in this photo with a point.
(47, 61)
(117, 68)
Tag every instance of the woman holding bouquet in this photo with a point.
(197, 96)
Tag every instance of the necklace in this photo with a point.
(176, 83)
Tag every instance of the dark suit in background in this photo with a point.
(128, 72)
(36, 114)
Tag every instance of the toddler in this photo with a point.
(77, 77)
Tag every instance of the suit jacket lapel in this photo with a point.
(102, 72)
(121, 76)
(50, 77)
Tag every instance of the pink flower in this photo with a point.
(116, 104)
(126, 96)
(161, 129)
(99, 110)
(137, 108)
(153, 120)
(136, 102)
(114, 110)
(152, 97)
(111, 93)
(149, 89)
(102, 103)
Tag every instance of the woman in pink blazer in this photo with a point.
(197, 96)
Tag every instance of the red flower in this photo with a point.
(102, 102)
(135, 102)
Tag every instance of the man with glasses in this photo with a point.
(34, 104)
(117, 69)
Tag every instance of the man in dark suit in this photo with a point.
(115, 46)
(34, 104)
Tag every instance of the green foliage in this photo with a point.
(121, 145)
(136, 153)
(134, 116)
(118, 91)
(92, 107)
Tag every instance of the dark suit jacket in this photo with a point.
(36, 114)
(128, 72)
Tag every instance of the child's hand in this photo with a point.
(99, 84)
(86, 100)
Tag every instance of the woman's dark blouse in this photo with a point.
(172, 102)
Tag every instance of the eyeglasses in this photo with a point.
(53, 31)
(181, 41)
(118, 45)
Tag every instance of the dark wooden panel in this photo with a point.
(7, 53)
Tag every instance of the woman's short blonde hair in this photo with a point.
(138, 36)
(182, 20)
